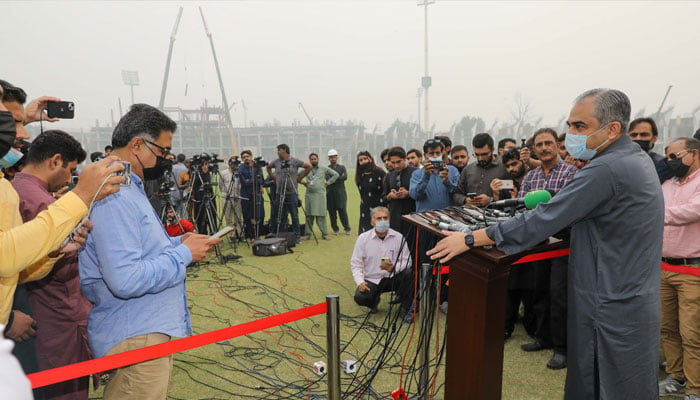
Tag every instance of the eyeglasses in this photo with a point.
(674, 156)
(165, 151)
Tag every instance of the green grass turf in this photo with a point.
(253, 366)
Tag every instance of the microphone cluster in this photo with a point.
(468, 218)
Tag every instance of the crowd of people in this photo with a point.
(118, 282)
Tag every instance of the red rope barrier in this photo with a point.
(68, 372)
(543, 256)
(680, 269)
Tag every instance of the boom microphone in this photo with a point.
(530, 200)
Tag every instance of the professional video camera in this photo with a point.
(259, 162)
(166, 186)
(285, 164)
(212, 160)
(234, 162)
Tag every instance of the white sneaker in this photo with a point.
(671, 387)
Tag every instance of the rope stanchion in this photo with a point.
(68, 372)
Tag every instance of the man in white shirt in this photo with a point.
(381, 263)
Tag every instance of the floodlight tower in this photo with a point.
(131, 78)
(426, 80)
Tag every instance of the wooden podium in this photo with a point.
(476, 318)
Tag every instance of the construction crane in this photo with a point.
(229, 121)
(311, 121)
(245, 114)
(167, 62)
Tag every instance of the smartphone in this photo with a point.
(386, 259)
(60, 109)
(507, 184)
(223, 232)
(471, 195)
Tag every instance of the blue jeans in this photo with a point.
(291, 201)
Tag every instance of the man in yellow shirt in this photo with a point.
(28, 251)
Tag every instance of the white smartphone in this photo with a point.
(507, 184)
(223, 232)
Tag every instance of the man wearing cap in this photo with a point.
(336, 196)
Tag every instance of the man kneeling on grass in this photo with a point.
(380, 263)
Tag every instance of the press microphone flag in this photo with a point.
(530, 200)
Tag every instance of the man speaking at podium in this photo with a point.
(614, 311)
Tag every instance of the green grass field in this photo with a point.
(277, 363)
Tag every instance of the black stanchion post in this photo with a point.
(333, 342)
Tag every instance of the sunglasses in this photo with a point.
(165, 151)
(677, 155)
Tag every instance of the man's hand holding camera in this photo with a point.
(92, 177)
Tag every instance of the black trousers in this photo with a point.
(401, 283)
(550, 296)
(558, 295)
(520, 284)
(335, 211)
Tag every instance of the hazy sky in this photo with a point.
(358, 60)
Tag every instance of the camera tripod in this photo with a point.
(282, 198)
(232, 201)
(257, 201)
(167, 204)
(204, 213)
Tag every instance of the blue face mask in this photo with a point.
(382, 226)
(576, 145)
(11, 158)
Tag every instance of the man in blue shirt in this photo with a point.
(432, 187)
(132, 272)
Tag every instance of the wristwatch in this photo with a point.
(469, 240)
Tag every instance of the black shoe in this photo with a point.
(558, 361)
(535, 346)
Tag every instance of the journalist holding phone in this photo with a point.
(131, 270)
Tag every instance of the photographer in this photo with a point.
(251, 193)
(230, 185)
(286, 178)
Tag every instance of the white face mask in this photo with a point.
(382, 226)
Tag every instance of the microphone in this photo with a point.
(530, 200)
(455, 227)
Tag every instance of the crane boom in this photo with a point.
(311, 121)
(229, 122)
(167, 62)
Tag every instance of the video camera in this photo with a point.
(285, 164)
(260, 162)
(212, 160)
